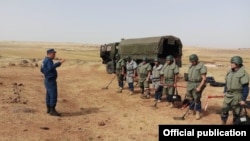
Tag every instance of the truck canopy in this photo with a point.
(159, 46)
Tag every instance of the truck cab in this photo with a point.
(107, 53)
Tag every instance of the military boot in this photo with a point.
(142, 90)
(144, 96)
(53, 111)
(223, 122)
(119, 90)
(235, 119)
(148, 94)
(192, 112)
(48, 109)
(198, 115)
(169, 104)
(131, 93)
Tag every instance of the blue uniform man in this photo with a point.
(48, 68)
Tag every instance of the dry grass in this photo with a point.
(89, 112)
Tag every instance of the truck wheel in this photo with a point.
(110, 68)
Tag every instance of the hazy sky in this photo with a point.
(203, 23)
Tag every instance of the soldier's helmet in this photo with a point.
(156, 60)
(237, 60)
(193, 58)
(145, 59)
(169, 58)
(128, 58)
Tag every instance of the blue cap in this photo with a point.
(51, 50)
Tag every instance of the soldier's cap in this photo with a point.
(51, 51)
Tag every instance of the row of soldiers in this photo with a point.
(235, 91)
(161, 75)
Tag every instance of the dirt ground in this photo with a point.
(89, 112)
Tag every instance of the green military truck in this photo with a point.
(137, 48)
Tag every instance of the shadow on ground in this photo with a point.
(82, 111)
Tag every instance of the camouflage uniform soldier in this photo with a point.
(144, 70)
(236, 89)
(196, 84)
(120, 71)
(156, 79)
(169, 75)
(131, 67)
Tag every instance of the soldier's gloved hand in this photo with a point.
(242, 102)
(198, 89)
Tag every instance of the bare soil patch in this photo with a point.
(90, 113)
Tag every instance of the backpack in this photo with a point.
(176, 99)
